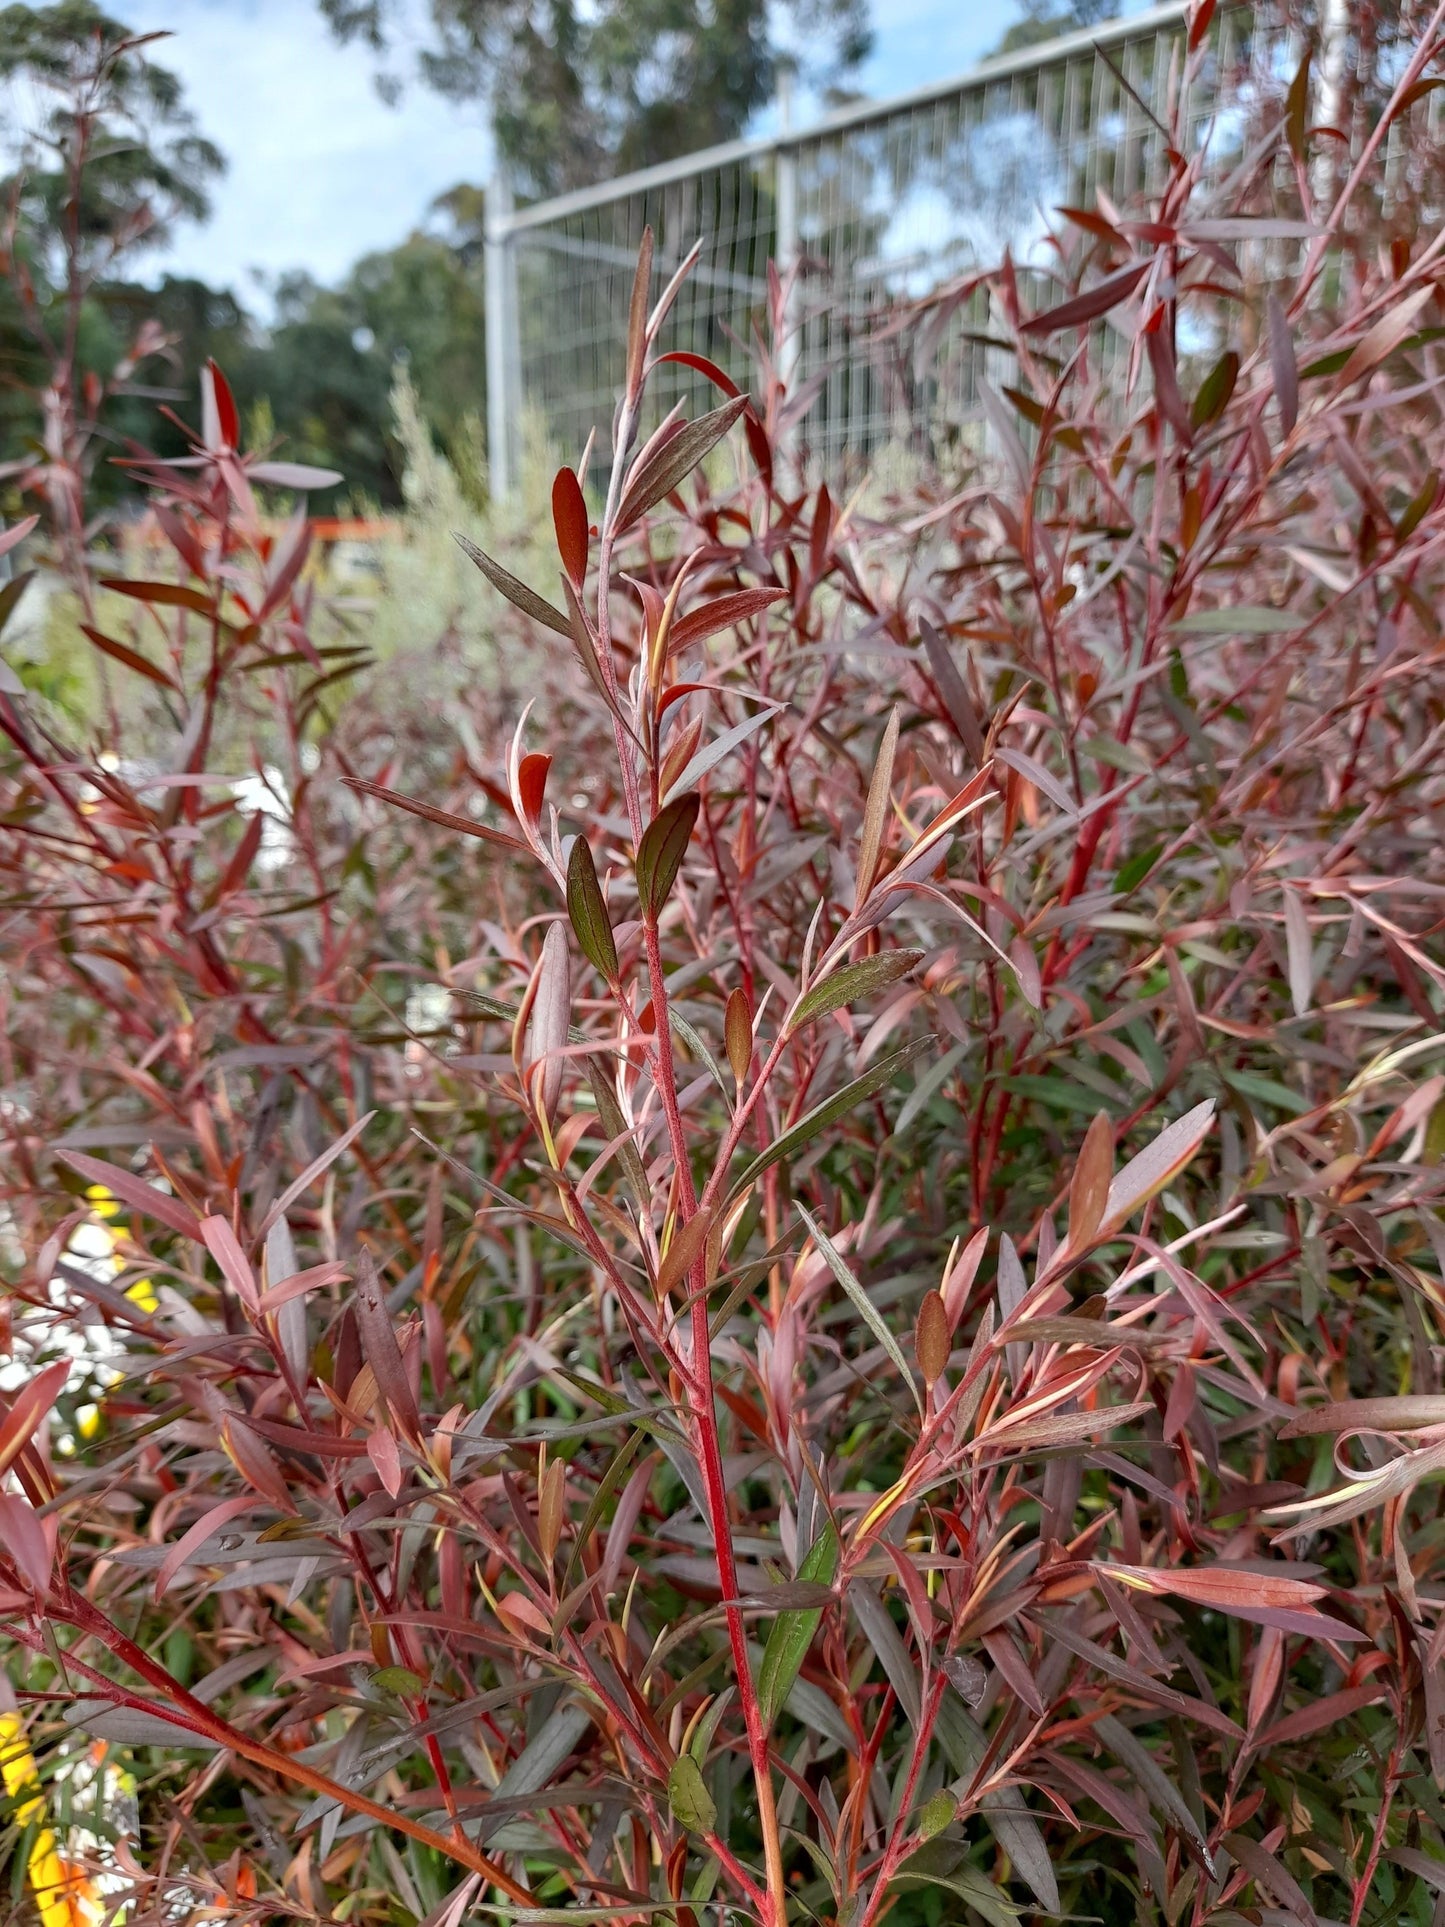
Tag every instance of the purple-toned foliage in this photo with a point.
(817, 1294)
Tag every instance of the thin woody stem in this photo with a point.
(705, 1416)
(195, 1716)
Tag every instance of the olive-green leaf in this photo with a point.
(696, 1046)
(678, 456)
(830, 1110)
(1240, 621)
(867, 1310)
(606, 1486)
(708, 1725)
(847, 985)
(11, 592)
(517, 593)
(588, 911)
(937, 1814)
(1215, 390)
(971, 1886)
(692, 1805)
(792, 1632)
(398, 1679)
(615, 1124)
(660, 853)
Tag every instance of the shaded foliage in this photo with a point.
(807, 1278)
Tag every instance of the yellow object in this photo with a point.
(105, 1205)
(59, 1888)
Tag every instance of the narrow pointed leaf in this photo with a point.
(1300, 950)
(846, 986)
(887, 1643)
(1282, 365)
(1089, 1188)
(931, 1340)
(711, 754)
(675, 460)
(27, 1409)
(517, 593)
(660, 853)
(682, 1253)
(738, 1034)
(954, 692)
(551, 1009)
(587, 910)
(867, 1310)
(830, 1110)
(1215, 391)
(569, 519)
(1090, 305)
(1148, 1173)
(135, 1192)
(875, 813)
(792, 1632)
(713, 617)
(446, 818)
(379, 1346)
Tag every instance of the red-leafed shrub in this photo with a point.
(814, 1291)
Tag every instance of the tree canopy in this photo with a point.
(578, 93)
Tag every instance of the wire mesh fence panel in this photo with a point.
(875, 210)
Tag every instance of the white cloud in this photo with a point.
(320, 169)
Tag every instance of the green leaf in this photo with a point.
(937, 1814)
(1130, 875)
(615, 1124)
(1246, 620)
(1331, 364)
(941, 1863)
(692, 1805)
(1267, 1091)
(696, 1046)
(1059, 1093)
(928, 1087)
(829, 1111)
(517, 593)
(708, 1725)
(606, 1486)
(660, 853)
(588, 911)
(1215, 390)
(11, 592)
(398, 1679)
(676, 459)
(847, 985)
(867, 1310)
(1418, 508)
(792, 1632)
(1104, 749)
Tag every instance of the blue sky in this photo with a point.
(321, 171)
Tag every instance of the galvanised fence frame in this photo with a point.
(878, 203)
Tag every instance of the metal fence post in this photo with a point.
(1334, 39)
(785, 187)
(504, 360)
(903, 195)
